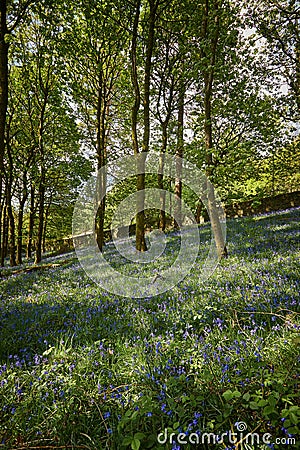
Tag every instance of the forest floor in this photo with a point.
(83, 368)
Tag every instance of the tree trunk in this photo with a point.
(178, 157)
(1, 211)
(102, 110)
(31, 222)
(209, 66)
(12, 237)
(297, 76)
(46, 223)
(140, 218)
(3, 111)
(134, 78)
(20, 232)
(211, 200)
(10, 213)
(164, 124)
(42, 183)
(41, 203)
(140, 203)
(201, 212)
(22, 202)
(4, 236)
(3, 81)
(160, 183)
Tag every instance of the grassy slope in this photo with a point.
(85, 369)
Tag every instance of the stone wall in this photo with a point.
(259, 206)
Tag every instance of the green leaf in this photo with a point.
(135, 444)
(228, 395)
(139, 436)
(246, 396)
(293, 418)
(253, 405)
(272, 400)
(262, 402)
(268, 410)
(127, 440)
(236, 394)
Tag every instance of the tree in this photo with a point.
(212, 15)
(149, 22)
(41, 131)
(95, 67)
(277, 21)
(11, 15)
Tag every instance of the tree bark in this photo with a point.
(178, 159)
(4, 235)
(1, 212)
(10, 213)
(42, 182)
(101, 161)
(3, 81)
(140, 217)
(140, 183)
(46, 217)
(20, 231)
(134, 78)
(31, 221)
(41, 206)
(23, 199)
(208, 76)
(11, 218)
(160, 183)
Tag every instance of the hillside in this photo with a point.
(82, 368)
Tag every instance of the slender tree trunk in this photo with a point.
(46, 223)
(20, 231)
(178, 157)
(19, 234)
(21, 215)
(140, 218)
(10, 213)
(1, 216)
(201, 212)
(297, 77)
(3, 81)
(102, 110)
(164, 125)
(134, 78)
(3, 111)
(160, 183)
(42, 182)
(212, 207)
(12, 234)
(209, 61)
(41, 203)
(31, 222)
(140, 203)
(4, 236)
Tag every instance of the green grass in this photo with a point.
(81, 368)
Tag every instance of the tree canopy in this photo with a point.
(84, 83)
